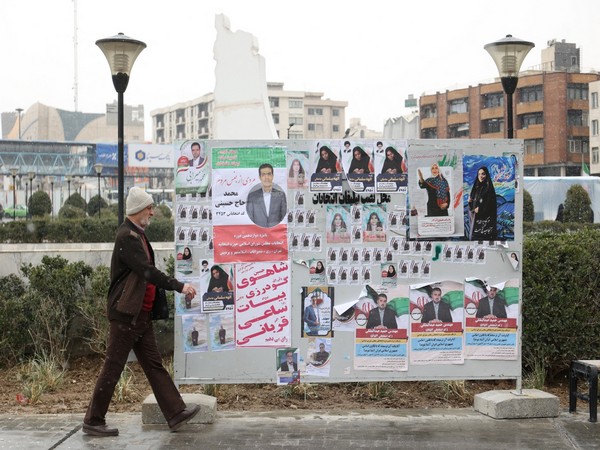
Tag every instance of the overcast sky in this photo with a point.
(371, 53)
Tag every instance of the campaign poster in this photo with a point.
(435, 194)
(327, 175)
(357, 161)
(249, 203)
(436, 323)
(263, 305)
(317, 311)
(489, 197)
(491, 319)
(194, 328)
(381, 337)
(390, 166)
(192, 174)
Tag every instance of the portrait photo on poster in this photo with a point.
(434, 194)
(489, 201)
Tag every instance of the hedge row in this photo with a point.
(561, 298)
(77, 230)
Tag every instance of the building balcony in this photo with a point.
(584, 105)
(429, 122)
(530, 107)
(458, 118)
(578, 131)
(492, 113)
(496, 135)
(531, 132)
(536, 159)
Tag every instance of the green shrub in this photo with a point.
(163, 211)
(95, 205)
(55, 286)
(39, 204)
(71, 212)
(93, 311)
(77, 201)
(528, 209)
(561, 299)
(80, 229)
(578, 205)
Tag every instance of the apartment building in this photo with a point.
(296, 114)
(550, 111)
(594, 128)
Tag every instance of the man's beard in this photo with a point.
(145, 222)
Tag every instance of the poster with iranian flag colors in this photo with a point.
(249, 203)
(491, 319)
(436, 323)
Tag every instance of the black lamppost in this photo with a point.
(51, 179)
(288, 130)
(509, 53)
(68, 178)
(121, 52)
(14, 171)
(19, 111)
(98, 168)
(31, 176)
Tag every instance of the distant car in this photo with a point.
(18, 211)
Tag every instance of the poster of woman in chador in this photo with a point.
(489, 197)
(325, 158)
(435, 193)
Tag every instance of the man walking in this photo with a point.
(134, 283)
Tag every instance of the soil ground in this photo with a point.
(73, 395)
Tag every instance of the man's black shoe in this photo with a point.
(183, 417)
(99, 430)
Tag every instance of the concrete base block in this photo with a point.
(531, 403)
(151, 413)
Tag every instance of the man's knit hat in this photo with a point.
(137, 199)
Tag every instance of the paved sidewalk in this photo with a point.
(462, 429)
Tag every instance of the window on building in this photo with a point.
(319, 111)
(553, 171)
(429, 133)
(594, 128)
(296, 120)
(531, 119)
(275, 118)
(534, 146)
(428, 111)
(295, 103)
(274, 102)
(493, 100)
(578, 144)
(335, 129)
(492, 125)
(577, 118)
(311, 127)
(460, 105)
(311, 111)
(459, 130)
(531, 94)
(594, 100)
(595, 155)
(335, 112)
(577, 91)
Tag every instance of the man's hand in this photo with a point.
(188, 289)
